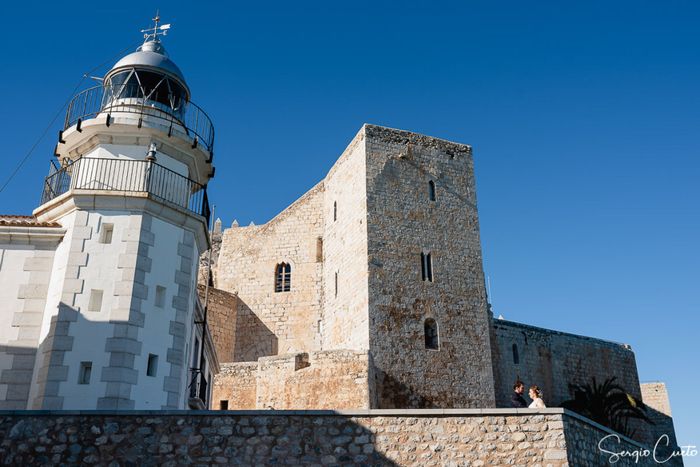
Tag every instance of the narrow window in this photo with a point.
(431, 190)
(429, 266)
(336, 283)
(152, 366)
(283, 277)
(160, 296)
(85, 373)
(335, 211)
(516, 356)
(106, 233)
(431, 334)
(95, 303)
(426, 260)
(223, 405)
(319, 249)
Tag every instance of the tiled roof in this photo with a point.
(24, 221)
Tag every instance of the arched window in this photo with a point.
(335, 211)
(516, 356)
(432, 340)
(431, 190)
(283, 277)
(426, 263)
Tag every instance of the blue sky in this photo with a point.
(583, 118)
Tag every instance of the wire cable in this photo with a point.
(58, 113)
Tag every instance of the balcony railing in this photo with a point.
(126, 175)
(172, 110)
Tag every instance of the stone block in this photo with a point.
(38, 264)
(118, 344)
(119, 375)
(29, 291)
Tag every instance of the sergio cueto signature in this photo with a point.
(643, 453)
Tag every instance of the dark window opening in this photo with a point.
(85, 373)
(283, 277)
(152, 366)
(426, 260)
(335, 211)
(223, 405)
(336, 284)
(431, 334)
(516, 356)
(431, 190)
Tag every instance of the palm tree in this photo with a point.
(608, 404)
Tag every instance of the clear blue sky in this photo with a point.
(583, 118)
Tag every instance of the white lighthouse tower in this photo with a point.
(118, 329)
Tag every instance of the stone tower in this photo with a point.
(135, 158)
(427, 318)
(386, 301)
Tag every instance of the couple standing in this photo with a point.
(535, 394)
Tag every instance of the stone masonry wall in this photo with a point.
(553, 360)
(334, 379)
(221, 319)
(269, 322)
(402, 223)
(345, 318)
(419, 437)
(236, 384)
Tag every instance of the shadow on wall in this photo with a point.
(253, 338)
(147, 438)
(391, 393)
(126, 365)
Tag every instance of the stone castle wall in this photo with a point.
(553, 360)
(221, 319)
(402, 222)
(269, 322)
(236, 384)
(345, 318)
(655, 396)
(419, 437)
(335, 379)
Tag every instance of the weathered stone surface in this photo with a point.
(278, 437)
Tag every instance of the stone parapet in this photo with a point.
(477, 437)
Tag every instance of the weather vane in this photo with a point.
(156, 30)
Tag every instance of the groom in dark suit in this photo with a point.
(516, 399)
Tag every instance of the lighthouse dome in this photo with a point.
(150, 56)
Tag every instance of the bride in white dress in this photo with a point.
(536, 396)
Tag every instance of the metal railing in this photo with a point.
(172, 109)
(127, 175)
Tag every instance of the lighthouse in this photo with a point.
(110, 317)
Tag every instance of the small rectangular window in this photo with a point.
(107, 231)
(85, 373)
(95, 303)
(152, 366)
(426, 260)
(336, 284)
(223, 405)
(160, 296)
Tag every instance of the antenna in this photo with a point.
(155, 31)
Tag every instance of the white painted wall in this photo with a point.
(12, 276)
